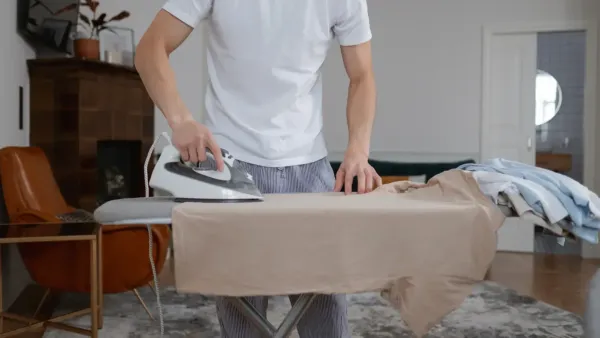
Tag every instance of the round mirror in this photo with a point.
(548, 97)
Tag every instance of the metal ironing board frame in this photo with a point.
(289, 323)
(291, 319)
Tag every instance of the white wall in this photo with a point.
(587, 250)
(13, 73)
(427, 59)
(188, 61)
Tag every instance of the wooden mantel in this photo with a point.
(66, 64)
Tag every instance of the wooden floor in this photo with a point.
(559, 280)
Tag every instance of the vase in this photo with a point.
(87, 49)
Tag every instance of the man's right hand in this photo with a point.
(192, 139)
(165, 34)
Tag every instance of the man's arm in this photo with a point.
(360, 113)
(169, 29)
(164, 35)
(353, 32)
(360, 109)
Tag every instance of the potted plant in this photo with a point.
(87, 43)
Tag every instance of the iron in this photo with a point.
(202, 182)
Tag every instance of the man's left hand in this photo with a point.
(356, 164)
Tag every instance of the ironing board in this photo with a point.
(158, 210)
(142, 210)
(339, 245)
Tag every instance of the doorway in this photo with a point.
(560, 84)
(522, 63)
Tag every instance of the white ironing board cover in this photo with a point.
(423, 246)
(143, 210)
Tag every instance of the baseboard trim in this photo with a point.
(590, 250)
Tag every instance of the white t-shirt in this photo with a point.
(264, 96)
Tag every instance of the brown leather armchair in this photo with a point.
(32, 195)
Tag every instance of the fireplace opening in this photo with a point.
(120, 170)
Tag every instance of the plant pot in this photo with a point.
(87, 49)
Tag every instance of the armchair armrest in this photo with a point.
(33, 216)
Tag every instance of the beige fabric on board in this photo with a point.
(422, 245)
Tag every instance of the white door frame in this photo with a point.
(589, 112)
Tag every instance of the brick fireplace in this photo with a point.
(89, 116)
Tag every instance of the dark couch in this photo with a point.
(388, 168)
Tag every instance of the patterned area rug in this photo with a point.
(491, 311)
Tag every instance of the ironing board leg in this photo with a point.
(287, 325)
(293, 317)
(254, 316)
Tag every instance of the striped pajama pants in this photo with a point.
(327, 315)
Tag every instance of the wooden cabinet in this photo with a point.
(74, 104)
(560, 163)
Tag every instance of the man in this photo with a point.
(263, 104)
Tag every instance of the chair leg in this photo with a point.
(42, 301)
(137, 294)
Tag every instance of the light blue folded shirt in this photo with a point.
(536, 196)
(580, 194)
(576, 198)
(581, 204)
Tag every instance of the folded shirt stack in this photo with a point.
(549, 199)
